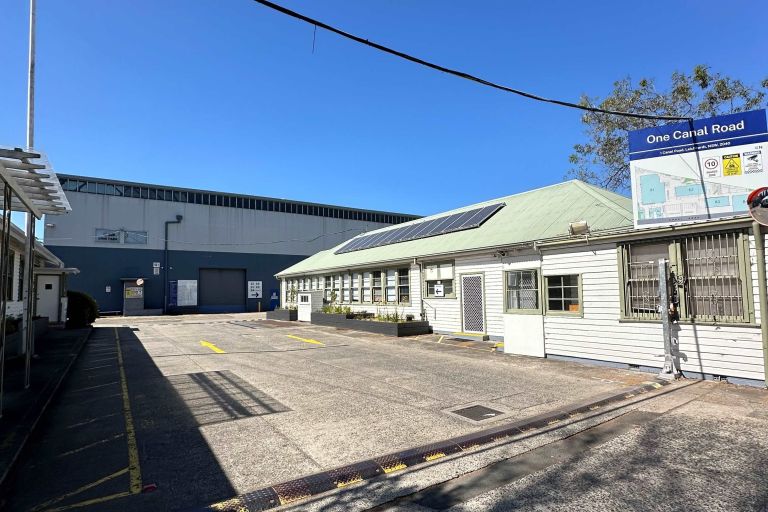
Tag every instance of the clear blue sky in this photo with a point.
(227, 95)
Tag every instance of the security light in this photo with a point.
(578, 228)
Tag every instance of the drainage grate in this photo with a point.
(478, 413)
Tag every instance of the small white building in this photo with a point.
(559, 272)
(50, 280)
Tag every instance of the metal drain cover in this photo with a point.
(478, 413)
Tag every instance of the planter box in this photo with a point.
(386, 328)
(283, 314)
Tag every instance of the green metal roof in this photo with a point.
(538, 214)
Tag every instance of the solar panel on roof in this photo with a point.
(461, 221)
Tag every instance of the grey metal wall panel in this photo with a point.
(203, 228)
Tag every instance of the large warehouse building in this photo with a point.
(147, 248)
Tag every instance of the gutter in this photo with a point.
(761, 286)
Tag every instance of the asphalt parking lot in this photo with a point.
(176, 413)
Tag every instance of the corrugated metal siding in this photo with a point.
(723, 350)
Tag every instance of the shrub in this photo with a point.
(82, 310)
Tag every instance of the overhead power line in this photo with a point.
(460, 74)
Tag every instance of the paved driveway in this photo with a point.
(227, 404)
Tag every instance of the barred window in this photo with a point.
(522, 290)
(711, 278)
(642, 280)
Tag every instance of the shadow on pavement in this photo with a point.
(81, 454)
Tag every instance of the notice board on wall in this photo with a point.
(186, 292)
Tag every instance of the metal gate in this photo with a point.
(472, 303)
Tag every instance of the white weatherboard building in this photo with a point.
(559, 272)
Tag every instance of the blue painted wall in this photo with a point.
(102, 267)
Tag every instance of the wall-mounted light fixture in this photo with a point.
(578, 228)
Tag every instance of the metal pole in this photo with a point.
(165, 262)
(5, 232)
(30, 248)
(761, 286)
(670, 370)
(31, 77)
(29, 298)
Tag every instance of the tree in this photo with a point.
(604, 159)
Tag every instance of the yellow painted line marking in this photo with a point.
(211, 346)
(80, 489)
(305, 340)
(434, 456)
(133, 450)
(351, 481)
(284, 500)
(441, 339)
(394, 467)
(90, 502)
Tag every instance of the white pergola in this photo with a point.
(34, 184)
(27, 184)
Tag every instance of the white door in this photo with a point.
(48, 297)
(472, 303)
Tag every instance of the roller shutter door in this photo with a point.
(222, 290)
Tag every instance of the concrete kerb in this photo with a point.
(294, 491)
(44, 408)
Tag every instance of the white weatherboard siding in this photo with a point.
(710, 349)
(445, 314)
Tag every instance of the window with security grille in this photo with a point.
(714, 284)
(708, 275)
(641, 293)
(522, 290)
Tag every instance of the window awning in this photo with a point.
(35, 186)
